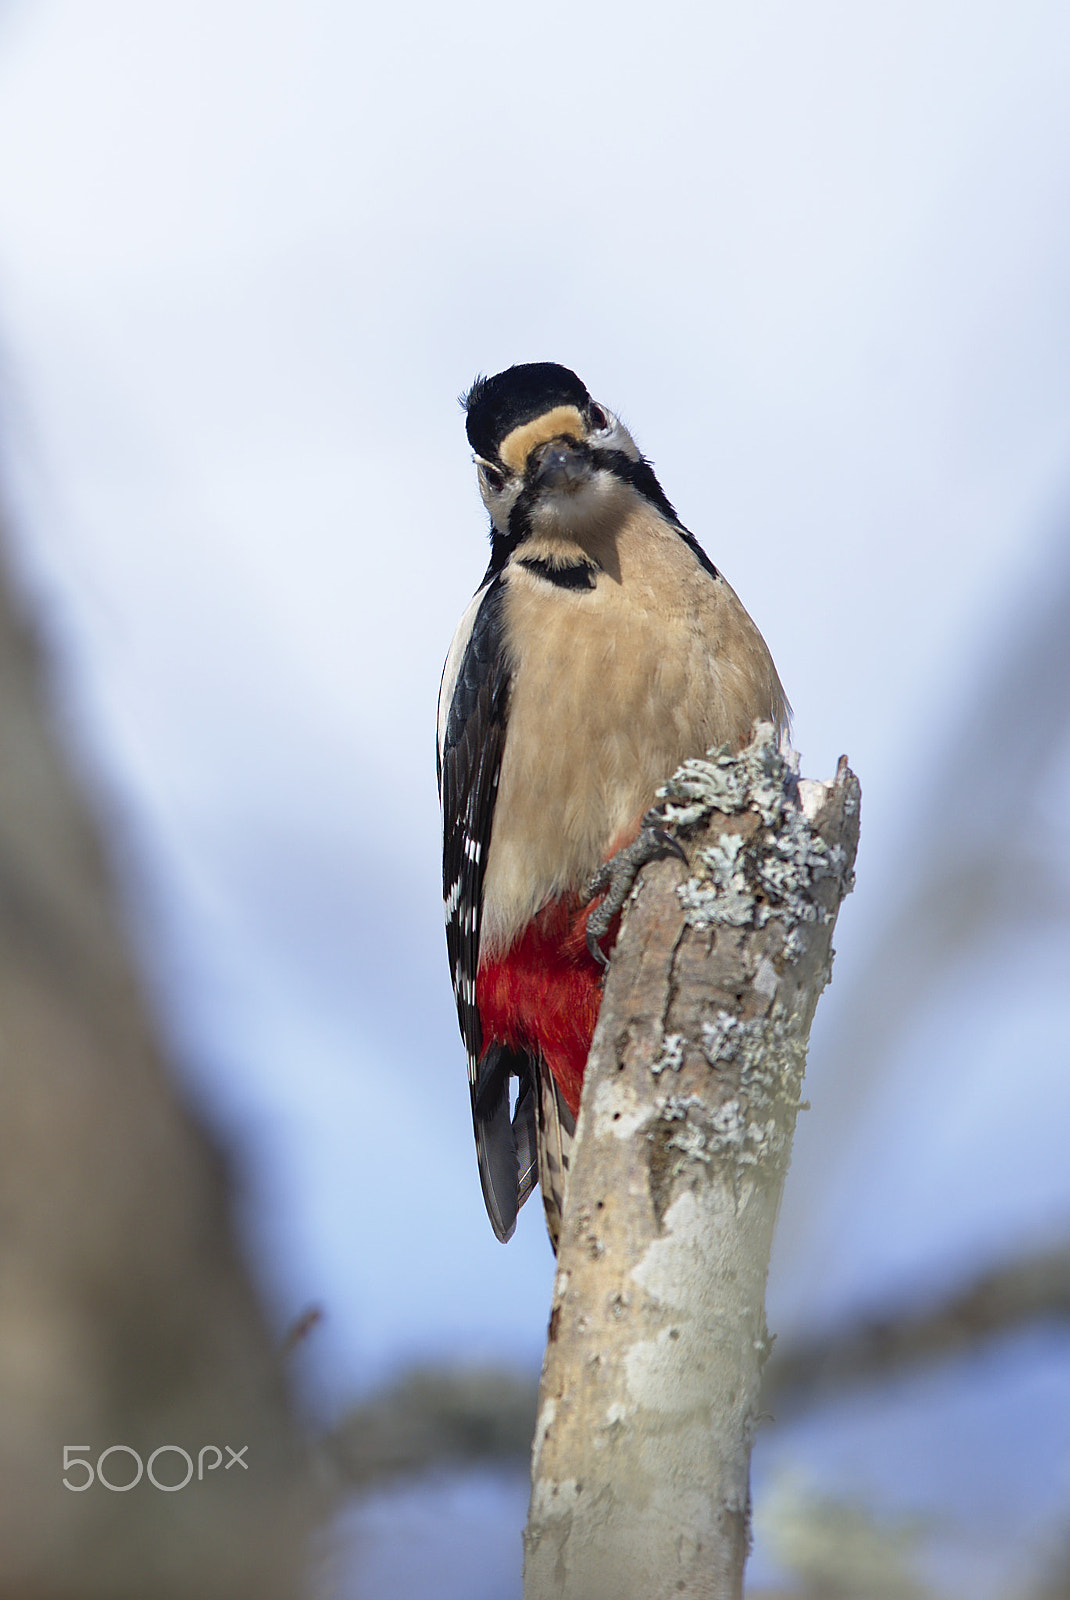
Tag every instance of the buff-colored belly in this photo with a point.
(614, 688)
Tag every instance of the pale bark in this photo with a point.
(650, 1385)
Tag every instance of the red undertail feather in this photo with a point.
(543, 993)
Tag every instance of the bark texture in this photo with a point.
(650, 1384)
(126, 1317)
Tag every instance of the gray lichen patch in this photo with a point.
(718, 892)
(743, 1125)
(755, 778)
(757, 880)
(768, 1054)
(719, 1040)
(671, 1056)
(754, 1123)
(744, 879)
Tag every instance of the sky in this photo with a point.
(249, 256)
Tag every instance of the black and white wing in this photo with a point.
(473, 708)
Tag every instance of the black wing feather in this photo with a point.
(469, 768)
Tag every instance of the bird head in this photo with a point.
(545, 452)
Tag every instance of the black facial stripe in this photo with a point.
(583, 575)
(640, 474)
(520, 515)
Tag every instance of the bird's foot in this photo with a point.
(616, 878)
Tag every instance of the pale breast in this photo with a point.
(614, 686)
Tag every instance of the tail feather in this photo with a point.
(505, 1145)
(556, 1127)
(525, 1119)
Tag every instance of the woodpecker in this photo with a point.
(601, 649)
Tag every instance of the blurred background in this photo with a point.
(818, 257)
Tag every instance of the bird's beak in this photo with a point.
(559, 464)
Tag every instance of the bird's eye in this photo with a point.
(599, 419)
(493, 479)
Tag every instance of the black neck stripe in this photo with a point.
(581, 575)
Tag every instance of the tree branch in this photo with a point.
(640, 1477)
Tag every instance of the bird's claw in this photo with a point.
(616, 877)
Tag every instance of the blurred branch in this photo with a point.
(127, 1322)
(1002, 1300)
(435, 1417)
(835, 1549)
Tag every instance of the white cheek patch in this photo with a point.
(620, 439)
(500, 505)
